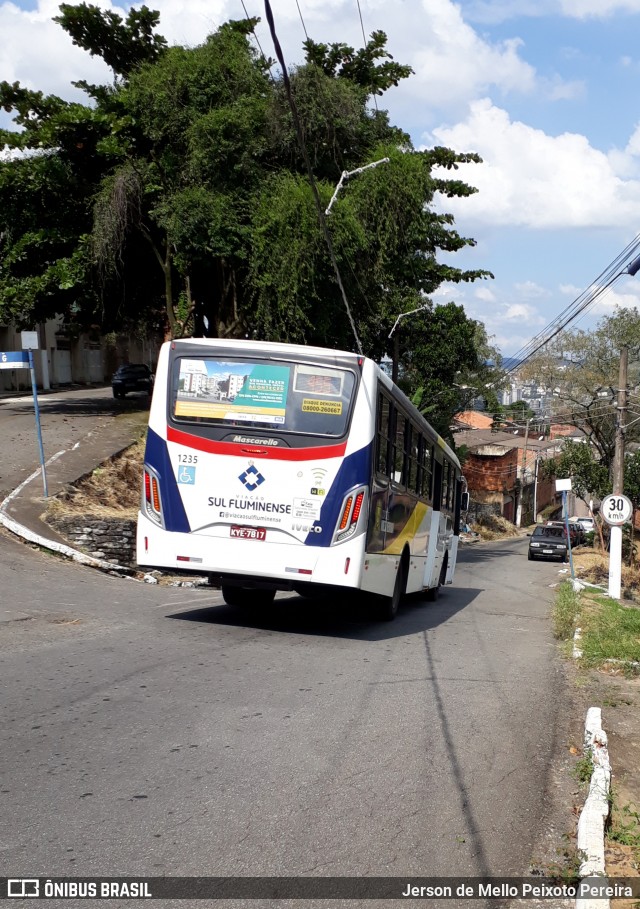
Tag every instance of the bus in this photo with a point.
(285, 467)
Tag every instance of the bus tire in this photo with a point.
(388, 609)
(433, 592)
(247, 597)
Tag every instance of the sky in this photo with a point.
(545, 91)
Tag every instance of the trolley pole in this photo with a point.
(615, 540)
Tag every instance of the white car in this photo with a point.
(587, 524)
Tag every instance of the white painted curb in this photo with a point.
(593, 817)
(21, 531)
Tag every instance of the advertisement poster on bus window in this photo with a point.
(219, 390)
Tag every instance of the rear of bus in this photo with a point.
(257, 467)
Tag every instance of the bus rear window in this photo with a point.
(291, 397)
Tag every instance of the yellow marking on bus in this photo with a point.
(209, 409)
(409, 530)
(311, 405)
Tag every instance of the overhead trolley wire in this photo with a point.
(312, 181)
(581, 304)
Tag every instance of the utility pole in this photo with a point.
(522, 473)
(615, 542)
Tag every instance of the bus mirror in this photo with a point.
(464, 505)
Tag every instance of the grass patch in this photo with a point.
(565, 612)
(624, 826)
(610, 629)
(583, 769)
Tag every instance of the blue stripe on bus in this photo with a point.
(354, 471)
(156, 455)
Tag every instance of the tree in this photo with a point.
(582, 368)
(190, 205)
(589, 476)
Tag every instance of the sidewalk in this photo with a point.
(26, 504)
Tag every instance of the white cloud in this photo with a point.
(484, 294)
(36, 52)
(532, 179)
(455, 63)
(598, 9)
(570, 290)
(523, 313)
(531, 290)
(616, 298)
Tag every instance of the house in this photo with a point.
(503, 475)
(65, 359)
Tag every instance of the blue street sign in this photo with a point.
(14, 359)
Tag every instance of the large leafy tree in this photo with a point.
(179, 195)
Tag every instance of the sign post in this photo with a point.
(23, 359)
(616, 509)
(564, 487)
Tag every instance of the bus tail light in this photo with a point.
(352, 509)
(151, 500)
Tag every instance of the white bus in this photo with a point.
(283, 467)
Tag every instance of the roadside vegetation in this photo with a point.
(111, 490)
(610, 630)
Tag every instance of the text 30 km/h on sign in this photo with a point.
(616, 509)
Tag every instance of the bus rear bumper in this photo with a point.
(281, 566)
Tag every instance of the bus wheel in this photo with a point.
(433, 592)
(389, 607)
(247, 597)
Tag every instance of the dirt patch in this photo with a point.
(111, 490)
(593, 566)
(494, 527)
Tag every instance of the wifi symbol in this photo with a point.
(318, 475)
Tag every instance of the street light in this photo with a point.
(396, 343)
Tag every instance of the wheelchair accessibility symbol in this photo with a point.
(186, 475)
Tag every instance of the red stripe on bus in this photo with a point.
(240, 450)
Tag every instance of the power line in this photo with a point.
(304, 28)
(581, 304)
(364, 38)
(253, 32)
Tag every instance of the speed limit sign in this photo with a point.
(616, 509)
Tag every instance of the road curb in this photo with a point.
(595, 812)
(30, 536)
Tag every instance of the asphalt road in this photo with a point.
(156, 731)
(66, 417)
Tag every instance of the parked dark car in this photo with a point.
(131, 377)
(548, 542)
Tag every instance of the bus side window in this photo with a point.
(426, 469)
(383, 435)
(398, 449)
(414, 459)
(437, 484)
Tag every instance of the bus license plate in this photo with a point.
(248, 533)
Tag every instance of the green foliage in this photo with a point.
(361, 66)
(178, 197)
(582, 367)
(565, 612)
(122, 44)
(583, 769)
(589, 477)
